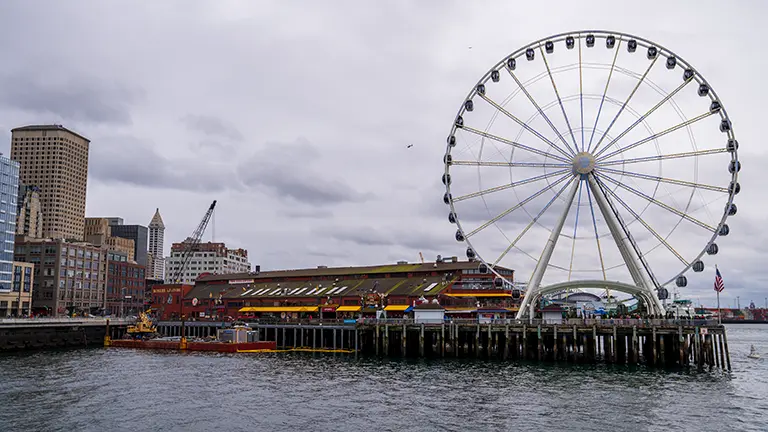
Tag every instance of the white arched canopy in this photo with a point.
(633, 290)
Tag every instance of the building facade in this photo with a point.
(29, 214)
(18, 301)
(69, 276)
(156, 238)
(55, 160)
(9, 189)
(126, 286)
(206, 258)
(99, 232)
(464, 289)
(137, 233)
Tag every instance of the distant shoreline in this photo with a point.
(744, 322)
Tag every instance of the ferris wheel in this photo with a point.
(592, 159)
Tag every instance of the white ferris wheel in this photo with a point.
(592, 159)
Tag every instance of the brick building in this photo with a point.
(126, 285)
(69, 276)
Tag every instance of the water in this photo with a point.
(125, 390)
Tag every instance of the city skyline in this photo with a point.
(358, 194)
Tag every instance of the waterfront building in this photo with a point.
(9, 188)
(18, 301)
(206, 258)
(465, 289)
(29, 214)
(55, 160)
(125, 285)
(69, 276)
(156, 238)
(137, 233)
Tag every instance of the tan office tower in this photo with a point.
(54, 159)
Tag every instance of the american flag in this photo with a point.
(719, 285)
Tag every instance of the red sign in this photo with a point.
(329, 309)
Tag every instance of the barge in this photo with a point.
(143, 335)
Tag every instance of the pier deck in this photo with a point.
(660, 343)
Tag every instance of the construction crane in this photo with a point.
(190, 244)
(421, 257)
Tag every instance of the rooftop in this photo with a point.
(322, 271)
(51, 127)
(344, 287)
(157, 220)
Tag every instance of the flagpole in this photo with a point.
(719, 318)
(719, 315)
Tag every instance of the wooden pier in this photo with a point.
(657, 343)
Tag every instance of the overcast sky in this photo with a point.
(296, 116)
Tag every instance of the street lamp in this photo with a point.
(122, 305)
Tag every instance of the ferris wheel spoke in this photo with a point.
(509, 185)
(510, 164)
(664, 179)
(517, 206)
(559, 100)
(645, 224)
(575, 227)
(659, 203)
(541, 112)
(520, 146)
(525, 126)
(597, 236)
(654, 136)
(605, 91)
(643, 117)
(663, 157)
(513, 243)
(624, 105)
(581, 97)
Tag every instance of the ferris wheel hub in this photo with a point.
(583, 163)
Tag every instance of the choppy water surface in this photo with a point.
(126, 390)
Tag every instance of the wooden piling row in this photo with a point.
(672, 345)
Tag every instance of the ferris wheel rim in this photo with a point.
(643, 42)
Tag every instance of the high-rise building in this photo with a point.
(9, 188)
(156, 237)
(137, 233)
(98, 232)
(54, 159)
(69, 276)
(206, 258)
(29, 214)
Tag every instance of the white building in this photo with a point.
(205, 258)
(156, 265)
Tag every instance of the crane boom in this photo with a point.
(191, 243)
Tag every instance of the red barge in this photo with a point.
(143, 336)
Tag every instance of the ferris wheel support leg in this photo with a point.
(628, 253)
(532, 294)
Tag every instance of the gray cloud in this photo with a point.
(127, 160)
(212, 126)
(292, 170)
(274, 168)
(78, 99)
(360, 83)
